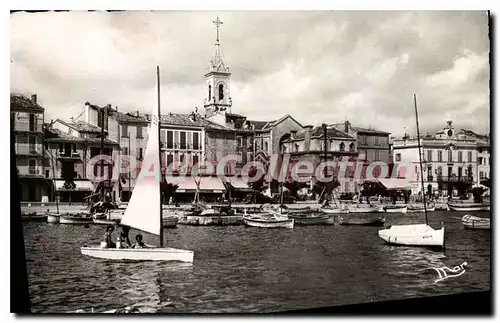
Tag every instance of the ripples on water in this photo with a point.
(239, 269)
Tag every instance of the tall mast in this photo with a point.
(159, 156)
(420, 158)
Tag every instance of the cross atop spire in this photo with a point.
(217, 63)
(217, 23)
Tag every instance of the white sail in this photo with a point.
(143, 210)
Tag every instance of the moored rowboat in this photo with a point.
(395, 208)
(75, 219)
(315, 219)
(268, 220)
(469, 207)
(348, 220)
(475, 222)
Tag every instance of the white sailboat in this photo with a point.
(144, 210)
(415, 234)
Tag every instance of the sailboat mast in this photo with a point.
(420, 158)
(159, 156)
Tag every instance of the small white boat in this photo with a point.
(334, 210)
(365, 209)
(270, 219)
(75, 219)
(53, 218)
(144, 210)
(413, 235)
(150, 253)
(468, 207)
(475, 222)
(396, 208)
(420, 208)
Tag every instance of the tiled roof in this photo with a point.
(20, 101)
(317, 132)
(174, 119)
(56, 135)
(81, 126)
(370, 131)
(259, 125)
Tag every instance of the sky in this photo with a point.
(318, 66)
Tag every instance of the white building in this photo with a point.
(449, 157)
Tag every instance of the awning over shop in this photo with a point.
(239, 183)
(395, 183)
(80, 185)
(188, 184)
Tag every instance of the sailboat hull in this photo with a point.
(52, 218)
(413, 235)
(146, 254)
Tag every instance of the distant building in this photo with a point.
(309, 145)
(373, 144)
(449, 157)
(27, 118)
(483, 153)
(70, 146)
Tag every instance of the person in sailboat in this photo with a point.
(107, 241)
(122, 240)
(138, 244)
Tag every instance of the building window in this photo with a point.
(139, 132)
(195, 141)
(398, 157)
(366, 155)
(183, 140)
(221, 92)
(440, 156)
(342, 146)
(266, 146)
(181, 158)
(195, 159)
(32, 122)
(176, 139)
(74, 148)
(469, 156)
(363, 140)
(459, 156)
(480, 160)
(124, 131)
(429, 173)
(32, 167)
(459, 172)
(429, 155)
(377, 154)
(296, 147)
(170, 139)
(352, 147)
(60, 148)
(139, 153)
(377, 141)
(481, 175)
(209, 92)
(261, 143)
(440, 170)
(450, 155)
(170, 159)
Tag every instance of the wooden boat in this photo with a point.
(297, 208)
(421, 235)
(334, 210)
(395, 208)
(170, 221)
(268, 220)
(365, 209)
(53, 218)
(420, 208)
(34, 217)
(82, 218)
(312, 219)
(144, 210)
(349, 220)
(475, 222)
(468, 207)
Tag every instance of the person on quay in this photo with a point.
(122, 239)
(107, 241)
(139, 244)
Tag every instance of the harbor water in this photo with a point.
(240, 269)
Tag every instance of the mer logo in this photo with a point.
(445, 272)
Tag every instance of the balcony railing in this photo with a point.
(455, 178)
(71, 155)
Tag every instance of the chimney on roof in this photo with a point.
(347, 126)
(307, 137)
(33, 98)
(192, 117)
(137, 113)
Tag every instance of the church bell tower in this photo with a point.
(217, 80)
